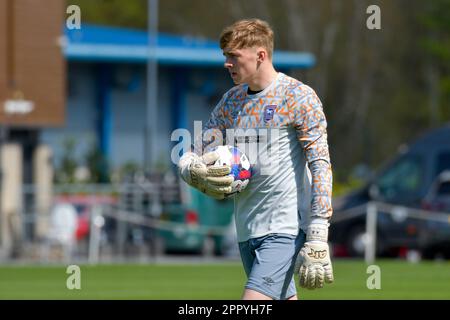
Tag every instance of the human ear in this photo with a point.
(261, 54)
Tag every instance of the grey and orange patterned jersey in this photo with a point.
(282, 129)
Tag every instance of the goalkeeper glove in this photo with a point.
(313, 263)
(199, 173)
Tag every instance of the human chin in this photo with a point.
(235, 78)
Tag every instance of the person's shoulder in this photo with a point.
(237, 92)
(296, 87)
(234, 94)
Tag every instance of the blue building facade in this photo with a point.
(107, 91)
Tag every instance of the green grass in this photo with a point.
(399, 280)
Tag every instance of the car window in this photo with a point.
(444, 189)
(403, 180)
(442, 162)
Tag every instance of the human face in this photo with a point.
(242, 64)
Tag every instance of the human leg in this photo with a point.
(269, 263)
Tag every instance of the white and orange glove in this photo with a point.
(313, 263)
(199, 173)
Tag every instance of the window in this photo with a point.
(403, 180)
(442, 162)
(444, 189)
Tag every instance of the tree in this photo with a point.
(434, 39)
(379, 88)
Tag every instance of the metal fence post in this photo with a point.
(97, 223)
(371, 233)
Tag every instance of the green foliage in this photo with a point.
(374, 84)
(343, 187)
(131, 14)
(127, 170)
(435, 42)
(97, 165)
(66, 171)
(91, 167)
(130, 167)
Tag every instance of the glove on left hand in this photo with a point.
(313, 263)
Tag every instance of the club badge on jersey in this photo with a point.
(269, 112)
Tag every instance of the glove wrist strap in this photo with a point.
(317, 232)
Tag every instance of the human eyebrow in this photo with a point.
(229, 54)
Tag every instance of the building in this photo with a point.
(89, 86)
(106, 96)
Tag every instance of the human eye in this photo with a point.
(229, 54)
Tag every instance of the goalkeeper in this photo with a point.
(282, 217)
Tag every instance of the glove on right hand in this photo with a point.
(198, 172)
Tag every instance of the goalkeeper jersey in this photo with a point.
(282, 130)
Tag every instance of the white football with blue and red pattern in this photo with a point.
(240, 167)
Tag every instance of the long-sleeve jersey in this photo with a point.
(282, 130)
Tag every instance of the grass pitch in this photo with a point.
(217, 281)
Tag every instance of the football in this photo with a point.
(240, 167)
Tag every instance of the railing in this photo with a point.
(140, 205)
(91, 202)
(399, 213)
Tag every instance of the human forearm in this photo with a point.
(321, 189)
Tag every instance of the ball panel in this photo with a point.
(240, 166)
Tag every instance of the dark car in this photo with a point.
(438, 200)
(404, 182)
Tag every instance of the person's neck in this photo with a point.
(263, 79)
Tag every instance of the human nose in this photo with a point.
(227, 64)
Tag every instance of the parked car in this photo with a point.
(405, 181)
(438, 199)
